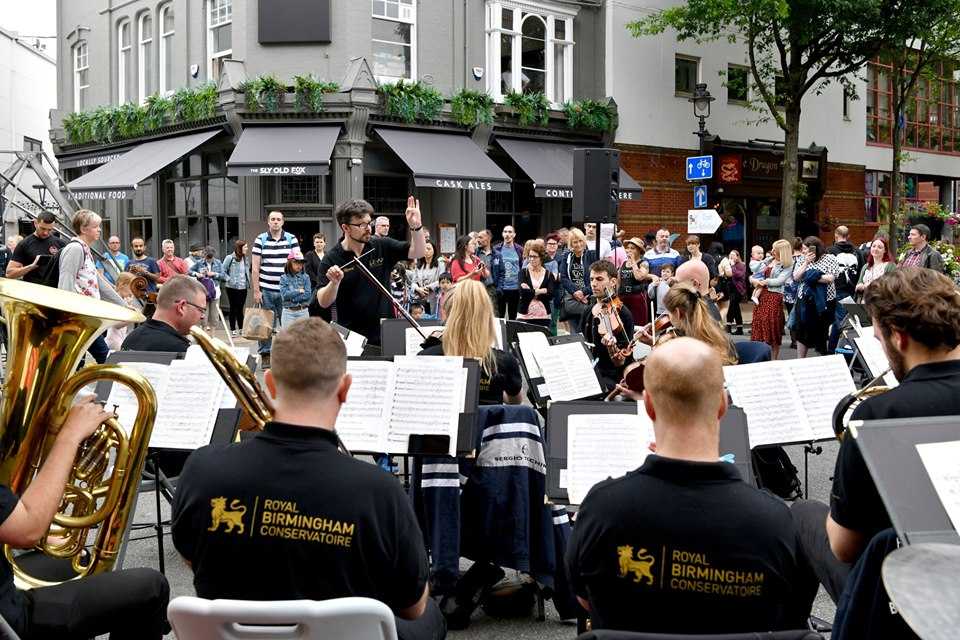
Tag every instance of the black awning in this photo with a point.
(445, 160)
(118, 179)
(550, 166)
(283, 151)
(90, 159)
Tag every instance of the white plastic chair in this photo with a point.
(348, 618)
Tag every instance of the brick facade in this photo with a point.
(843, 203)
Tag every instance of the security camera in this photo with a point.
(477, 73)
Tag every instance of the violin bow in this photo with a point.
(386, 292)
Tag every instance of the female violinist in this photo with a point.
(607, 325)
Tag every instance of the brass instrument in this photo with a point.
(49, 331)
(846, 406)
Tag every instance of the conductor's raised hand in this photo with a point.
(335, 275)
(413, 213)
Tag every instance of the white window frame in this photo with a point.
(144, 43)
(407, 15)
(166, 39)
(224, 10)
(124, 57)
(81, 62)
(551, 14)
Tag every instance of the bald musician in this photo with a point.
(320, 524)
(682, 544)
(696, 272)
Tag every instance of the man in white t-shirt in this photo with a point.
(590, 230)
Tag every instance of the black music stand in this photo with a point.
(889, 449)
(393, 340)
(733, 438)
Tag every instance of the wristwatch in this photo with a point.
(417, 229)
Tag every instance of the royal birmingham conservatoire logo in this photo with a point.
(231, 518)
(639, 566)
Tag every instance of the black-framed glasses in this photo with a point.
(360, 225)
(202, 310)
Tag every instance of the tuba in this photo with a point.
(49, 331)
(847, 404)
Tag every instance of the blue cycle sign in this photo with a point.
(700, 168)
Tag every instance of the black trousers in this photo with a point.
(237, 298)
(810, 519)
(507, 304)
(429, 626)
(734, 313)
(126, 604)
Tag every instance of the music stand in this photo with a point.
(393, 340)
(889, 449)
(733, 438)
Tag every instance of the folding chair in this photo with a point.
(348, 618)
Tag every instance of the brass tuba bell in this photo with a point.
(49, 331)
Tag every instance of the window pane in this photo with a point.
(167, 20)
(533, 27)
(167, 69)
(685, 76)
(533, 81)
(393, 10)
(558, 95)
(506, 64)
(736, 83)
(82, 99)
(215, 204)
(379, 8)
(506, 17)
(391, 60)
(125, 34)
(560, 29)
(83, 78)
(222, 38)
(146, 54)
(146, 28)
(533, 46)
(391, 31)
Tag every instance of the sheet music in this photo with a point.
(789, 400)
(123, 398)
(188, 408)
(499, 329)
(600, 447)
(362, 420)
(567, 371)
(874, 356)
(940, 459)
(529, 342)
(195, 355)
(427, 397)
(355, 342)
(412, 339)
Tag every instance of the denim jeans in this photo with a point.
(289, 316)
(840, 315)
(273, 302)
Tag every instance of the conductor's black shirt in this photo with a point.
(285, 516)
(928, 390)
(685, 547)
(361, 304)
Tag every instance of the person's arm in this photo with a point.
(860, 287)
(255, 275)
(287, 289)
(327, 294)
(780, 279)
(304, 289)
(33, 514)
(108, 293)
(16, 270)
(418, 243)
(548, 286)
(936, 261)
(416, 610)
(846, 544)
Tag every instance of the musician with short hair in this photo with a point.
(916, 317)
(361, 304)
(181, 304)
(320, 524)
(600, 318)
(129, 604)
(683, 544)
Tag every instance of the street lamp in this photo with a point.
(701, 100)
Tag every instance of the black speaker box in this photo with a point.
(596, 185)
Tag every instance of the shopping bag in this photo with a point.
(257, 323)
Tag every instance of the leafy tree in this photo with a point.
(794, 47)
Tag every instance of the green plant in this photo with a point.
(77, 128)
(207, 99)
(532, 108)
(411, 101)
(103, 126)
(308, 92)
(158, 112)
(249, 91)
(589, 114)
(471, 108)
(269, 91)
(130, 120)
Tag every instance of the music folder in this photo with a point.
(396, 334)
(734, 439)
(889, 448)
(537, 384)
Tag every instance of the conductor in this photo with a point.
(360, 305)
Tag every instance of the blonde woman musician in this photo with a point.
(690, 317)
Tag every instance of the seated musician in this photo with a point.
(682, 544)
(690, 316)
(128, 604)
(607, 348)
(317, 524)
(181, 303)
(696, 272)
(916, 316)
(470, 332)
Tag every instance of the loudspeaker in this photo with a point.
(596, 185)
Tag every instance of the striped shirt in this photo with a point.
(273, 257)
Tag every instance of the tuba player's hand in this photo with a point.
(84, 418)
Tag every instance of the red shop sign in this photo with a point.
(731, 168)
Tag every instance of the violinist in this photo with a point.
(607, 324)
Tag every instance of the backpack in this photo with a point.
(51, 276)
(849, 271)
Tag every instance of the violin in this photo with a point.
(607, 310)
(649, 337)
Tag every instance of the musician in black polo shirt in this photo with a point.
(682, 544)
(319, 524)
(360, 304)
(916, 317)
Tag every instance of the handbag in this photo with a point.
(257, 323)
(572, 308)
(210, 287)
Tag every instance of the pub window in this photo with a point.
(124, 56)
(393, 39)
(81, 76)
(145, 68)
(300, 189)
(738, 84)
(530, 49)
(686, 74)
(386, 194)
(166, 49)
(219, 36)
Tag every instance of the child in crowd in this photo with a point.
(116, 335)
(757, 264)
(446, 286)
(295, 289)
(416, 310)
(659, 290)
(398, 285)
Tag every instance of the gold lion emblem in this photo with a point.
(639, 566)
(229, 518)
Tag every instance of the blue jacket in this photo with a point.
(589, 257)
(216, 267)
(812, 291)
(494, 262)
(290, 285)
(237, 272)
(498, 251)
